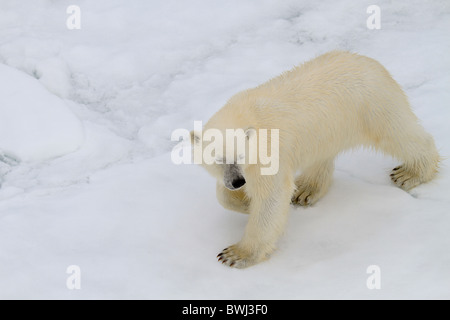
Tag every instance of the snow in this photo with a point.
(86, 177)
(34, 124)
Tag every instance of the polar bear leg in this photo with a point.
(268, 216)
(313, 183)
(235, 200)
(416, 148)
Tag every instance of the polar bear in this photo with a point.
(335, 102)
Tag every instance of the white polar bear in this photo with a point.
(332, 103)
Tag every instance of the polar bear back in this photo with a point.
(334, 102)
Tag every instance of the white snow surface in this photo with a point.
(86, 176)
(35, 125)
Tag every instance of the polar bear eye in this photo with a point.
(241, 159)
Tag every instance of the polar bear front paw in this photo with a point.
(237, 257)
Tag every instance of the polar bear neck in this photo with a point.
(234, 115)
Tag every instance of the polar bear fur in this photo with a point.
(332, 103)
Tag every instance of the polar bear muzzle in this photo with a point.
(232, 177)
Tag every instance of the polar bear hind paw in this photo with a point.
(404, 178)
(305, 196)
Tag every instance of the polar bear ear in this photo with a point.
(195, 138)
(250, 132)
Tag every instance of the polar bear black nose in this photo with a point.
(237, 183)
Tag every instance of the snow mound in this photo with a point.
(34, 124)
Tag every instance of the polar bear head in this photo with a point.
(225, 154)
